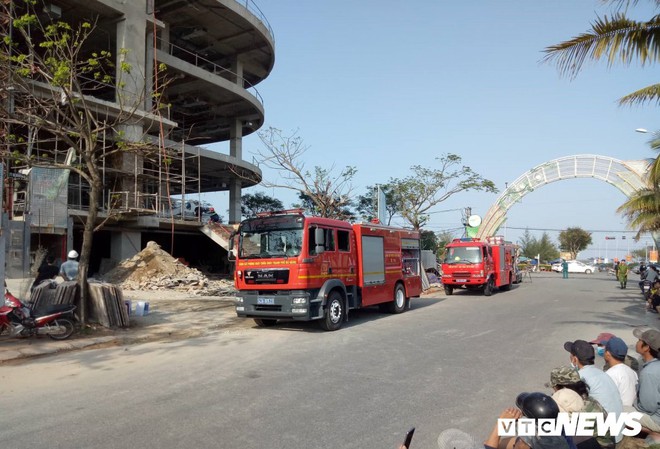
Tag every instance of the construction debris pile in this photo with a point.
(155, 269)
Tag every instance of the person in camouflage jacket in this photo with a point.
(568, 377)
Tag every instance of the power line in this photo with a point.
(560, 230)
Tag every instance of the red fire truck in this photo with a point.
(474, 263)
(296, 267)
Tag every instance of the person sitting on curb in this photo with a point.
(648, 394)
(566, 377)
(623, 376)
(570, 402)
(601, 386)
(534, 406)
(600, 343)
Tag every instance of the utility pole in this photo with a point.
(467, 212)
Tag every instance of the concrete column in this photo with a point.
(235, 150)
(131, 37)
(237, 71)
(236, 139)
(234, 201)
(124, 245)
(130, 165)
(149, 71)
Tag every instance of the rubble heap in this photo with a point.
(155, 269)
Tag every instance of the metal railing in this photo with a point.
(204, 64)
(254, 9)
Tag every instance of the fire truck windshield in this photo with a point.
(463, 254)
(266, 237)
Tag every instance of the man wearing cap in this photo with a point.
(601, 386)
(601, 341)
(623, 376)
(648, 395)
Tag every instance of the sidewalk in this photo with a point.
(172, 316)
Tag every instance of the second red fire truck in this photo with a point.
(296, 267)
(478, 264)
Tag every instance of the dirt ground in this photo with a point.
(174, 315)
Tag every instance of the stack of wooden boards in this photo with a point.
(107, 305)
(106, 301)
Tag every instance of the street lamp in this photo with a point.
(642, 130)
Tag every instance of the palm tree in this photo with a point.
(642, 209)
(617, 39)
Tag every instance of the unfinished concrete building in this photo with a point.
(216, 52)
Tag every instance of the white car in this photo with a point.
(575, 266)
(191, 210)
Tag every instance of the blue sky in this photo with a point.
(384, 85)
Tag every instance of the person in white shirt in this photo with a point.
(624, 377)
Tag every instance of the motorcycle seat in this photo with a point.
(53, 308)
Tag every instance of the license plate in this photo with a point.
(461, 280)
(270, 301)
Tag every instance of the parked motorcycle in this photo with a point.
(19, 320)
(646, 288)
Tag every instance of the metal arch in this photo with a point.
(627, 176)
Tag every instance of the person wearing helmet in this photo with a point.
(69, 269)
(534, 406)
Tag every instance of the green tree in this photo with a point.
(617, 39)
(444, 237)
(329, 190)
(50, 76)
(429, 240)
(532, 247)
(574, 240)
(417, 194)
(367, 205)
(252, 204)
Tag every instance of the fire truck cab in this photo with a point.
(296, 267)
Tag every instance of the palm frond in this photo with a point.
(618, 39)
(640, 97)
(623, 4)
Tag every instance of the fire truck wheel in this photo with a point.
(488, 289)
(265, 323)
(398, 304)
(334, 312)
(449, 290)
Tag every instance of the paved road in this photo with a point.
(450, 362)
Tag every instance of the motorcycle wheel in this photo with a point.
(68, 329)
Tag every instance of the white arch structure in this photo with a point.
(627, 176)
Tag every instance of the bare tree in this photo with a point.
(418, 193)
(329, 190)
(52, 82)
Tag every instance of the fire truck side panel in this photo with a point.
(382, 263)
(502, 256)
